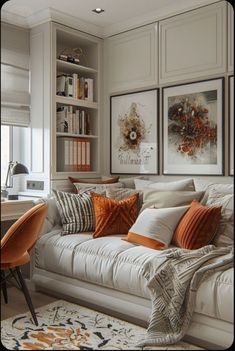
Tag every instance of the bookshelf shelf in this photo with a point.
(73, 68)
(76, 102)
(59, 134)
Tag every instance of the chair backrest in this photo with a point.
(23, 234)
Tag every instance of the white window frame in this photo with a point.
(10, 152)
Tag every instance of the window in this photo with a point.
(6, 151)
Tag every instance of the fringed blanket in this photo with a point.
(173, 279)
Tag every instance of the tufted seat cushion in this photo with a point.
(114, 263)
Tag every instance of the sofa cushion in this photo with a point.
(76, 211)
(197, 227)
(114, 263)
(225, 233)
(154, 228)
(163, 199)
(113, 216)
(178, 185)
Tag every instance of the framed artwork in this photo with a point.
(231, 125)
(193, 128)
(134, 133)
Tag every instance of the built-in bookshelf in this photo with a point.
(76, 109)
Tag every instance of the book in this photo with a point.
(88, 91)
(76, 118)
(60, 85)
(81, 88)
(75, 77)
(69, 86)
(70, 119)
(83, 166)
(60, 120)
(63, 151)
(88, 155)
(79, 154)
(71, 158)
(75, 156)
(87, 124)
(78, 88)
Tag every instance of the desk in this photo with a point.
(13, 209)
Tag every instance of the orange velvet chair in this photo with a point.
(15, 247)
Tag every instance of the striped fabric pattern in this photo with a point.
(197, 227)
(76, 211)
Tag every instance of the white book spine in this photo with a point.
(77, 121)
(75, 78)
(71, 155)
(70, 119)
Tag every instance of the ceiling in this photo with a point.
(118, 13)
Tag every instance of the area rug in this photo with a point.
(67, 326)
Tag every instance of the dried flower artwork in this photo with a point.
(192, 127)
(134, 132)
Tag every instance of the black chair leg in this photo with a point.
(26, 294)
(4, 286)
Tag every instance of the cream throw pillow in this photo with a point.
(178, 185)
(225, 233)
(154, 228)
(163, 199)
(97, 188)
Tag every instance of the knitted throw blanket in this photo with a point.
(173, 279)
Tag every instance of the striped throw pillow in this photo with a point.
(76, 212)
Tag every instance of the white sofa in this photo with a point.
(105, 273)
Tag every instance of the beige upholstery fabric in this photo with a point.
(163, 199)
(225, 233)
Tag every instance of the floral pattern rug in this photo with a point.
(67, 326)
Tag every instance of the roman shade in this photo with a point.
(15, 97)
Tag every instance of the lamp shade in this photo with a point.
(19, 169)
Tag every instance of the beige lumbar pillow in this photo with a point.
(164, 199)
(178, 185)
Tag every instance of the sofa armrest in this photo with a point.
(53, 217)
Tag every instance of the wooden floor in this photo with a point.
(17, 304)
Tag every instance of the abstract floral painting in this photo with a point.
(134, 131)
(192, 128)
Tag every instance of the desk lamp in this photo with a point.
(14, 169)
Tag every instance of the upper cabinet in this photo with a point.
(230, 38)
(193, 44)
(132, 59)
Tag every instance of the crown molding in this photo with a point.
(52, 14)
(15, 19)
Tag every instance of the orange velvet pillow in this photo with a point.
(113, 216)
(197, 227)
(94, 180)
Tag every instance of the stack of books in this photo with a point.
(74, 86)
(72, 120)
(73, 154)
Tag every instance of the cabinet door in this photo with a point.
(132, 58)
(230, 38)
(193, 44)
